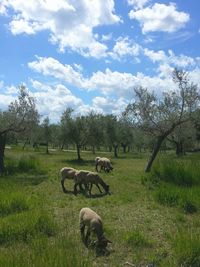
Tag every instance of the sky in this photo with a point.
(89, 55)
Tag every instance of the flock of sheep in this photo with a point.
(87, 217)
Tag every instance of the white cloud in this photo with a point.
(52, 67)
(108, 106)
(70, 23)
(180, 61)
(160, 17)
(106, 37)
(114, 83)
(155, 56)
(125, 47)
(53, 100)
(3, 7)
(137, 4)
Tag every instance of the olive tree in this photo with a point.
(161, 116)
(19, 117)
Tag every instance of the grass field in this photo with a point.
(150, 222)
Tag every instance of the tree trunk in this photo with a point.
(78, 152)
(154, 153)
(124, 146)
(2, 149)
(179, 148)
(115, 151)
(26, 142)
(47, 148)
(93, 149)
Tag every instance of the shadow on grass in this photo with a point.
(25, 179)
(80, 162)
(99, 195)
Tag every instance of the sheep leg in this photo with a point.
(97, 167)
(81, 187)
(87, 241)
(90, 189)
(82, 229)
(75, 188)
(63, 187)
(98, 188)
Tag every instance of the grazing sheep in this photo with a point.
(104, 163)
(69, 173)
(66, 173)
(88, 179)
(90, 219)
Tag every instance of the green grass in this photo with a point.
(25, 226)
(187, 249)
(12, 203)
(39, 224)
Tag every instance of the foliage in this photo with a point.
(159, 117)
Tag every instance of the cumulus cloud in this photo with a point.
(107, 106)
(115, 83)
(70, 23)
(52, 100)
(137, 4)
(52, 67)
(160, 17)
(170, 58)
(125, 47)
(3, 7)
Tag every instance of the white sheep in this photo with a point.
(90, 219)
(88, 179)
(104, 163)
(68, 173)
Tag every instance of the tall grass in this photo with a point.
(12, 203)
(42, 253)
(175, 184)
(26, 163)
(137, 239)
(25, 226)
(178, 173)
(187, 249)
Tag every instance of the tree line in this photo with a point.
(149, 122)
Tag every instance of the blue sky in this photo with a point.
(90, 54)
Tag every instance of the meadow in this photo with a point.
(152, 220)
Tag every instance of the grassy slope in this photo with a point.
(141, 230)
